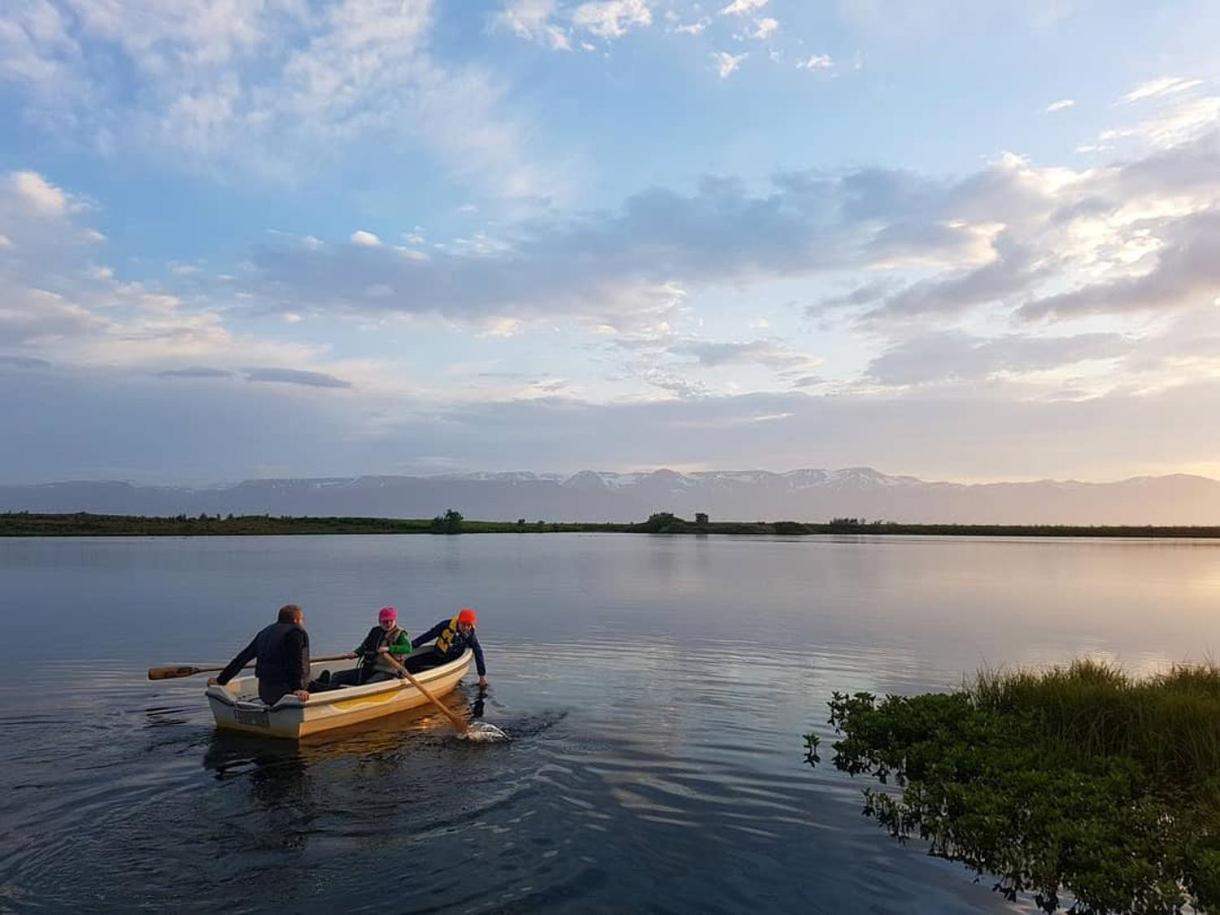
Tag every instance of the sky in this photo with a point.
(284, 238)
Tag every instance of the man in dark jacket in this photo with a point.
(453, 636)
(282, 654)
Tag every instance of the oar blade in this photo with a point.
(483, 732)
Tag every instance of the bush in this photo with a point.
(790, 528)
(1077, 779)
(448, 523)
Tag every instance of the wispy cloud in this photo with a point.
(693, 28)
(296, 376)
(1060, 105)
(611, 18)
(726, 64)
(274, 89)
(743, 7)
(1154, 88)
(764, 29)
(956, 356)
(816, 62)
(1177, 123)
(560, 28)
(533, 20)
(195, 371)
(771, 353)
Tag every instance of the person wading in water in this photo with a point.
(282, 654)
(453, 636)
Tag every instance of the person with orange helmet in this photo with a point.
(453, 636)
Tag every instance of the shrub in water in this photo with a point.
(1077, 780)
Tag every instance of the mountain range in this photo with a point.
(797, 495)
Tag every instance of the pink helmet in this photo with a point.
(387, 615)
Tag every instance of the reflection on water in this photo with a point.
(686, 777)
(656, 691)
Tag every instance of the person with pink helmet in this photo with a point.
(387, 637)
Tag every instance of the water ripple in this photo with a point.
(631, 768)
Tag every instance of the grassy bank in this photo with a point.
(1078, 780)
(84, 524)
(25, 524)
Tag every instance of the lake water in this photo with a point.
(656, 689)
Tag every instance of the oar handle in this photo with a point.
(458, 722)
(174, 671)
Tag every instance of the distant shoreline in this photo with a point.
(84, 524)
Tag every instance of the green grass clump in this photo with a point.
(1170, 723)
(1077, 779)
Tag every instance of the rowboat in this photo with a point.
(236, 706)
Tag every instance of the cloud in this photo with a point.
(1155, 88)
(35, 316)
(957, 356)
(932, 246)
(920, 431)
(1060, 105)
(742, 7)
(277, 89)
(545, 23)
(47, 247)
(816, 62)
(58, 302)
(205, 433)
(611, 18)
(36, 48)
(1011, 271)
(727, 63)
(693, 28)
(1187, 272)
(989, 250)
(42, 196)
(1180, 123)
(24, 362)
(771, 353)
(764, 29)
(194, 372)
(364, 239)
(634, 266)
(675, 384)
(532, 20)
(807, 381)
(1141, 235)
(109, 424)
(296, 376)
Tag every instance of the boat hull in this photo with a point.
(236, 708)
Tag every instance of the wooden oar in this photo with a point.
(461, 724)
(183, 670)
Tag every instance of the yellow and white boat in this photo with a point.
(236, 705)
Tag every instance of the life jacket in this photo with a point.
(276, 664)
(372, 656)
(450, 639)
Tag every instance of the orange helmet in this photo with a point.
(466, 615)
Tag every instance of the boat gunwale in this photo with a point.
(319, 700)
